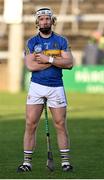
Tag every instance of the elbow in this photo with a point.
(29, 59)
(70, 66)
(29, 67)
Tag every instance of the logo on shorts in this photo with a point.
(61, 102)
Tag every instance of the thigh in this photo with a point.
(33, 113)
(58, 114)
(57, 97)
(36, 94)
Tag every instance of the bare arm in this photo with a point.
(33, 65)
(64, 62)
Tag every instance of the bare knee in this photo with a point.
(31, 124)
(30, 127)
(60, 125)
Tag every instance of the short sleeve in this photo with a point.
(65, 45)
(28, 48)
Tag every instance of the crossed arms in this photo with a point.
(36, 62)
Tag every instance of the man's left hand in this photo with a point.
(41, 58)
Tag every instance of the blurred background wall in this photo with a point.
(81, 21)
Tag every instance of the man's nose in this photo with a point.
(45, 21)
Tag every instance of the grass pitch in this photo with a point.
(85, 115)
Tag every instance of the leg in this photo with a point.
(33, 113)
(34, 110)
(59, 117)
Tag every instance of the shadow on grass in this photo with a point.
(87, 136)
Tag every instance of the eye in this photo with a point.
(47, 18)
(40, 18)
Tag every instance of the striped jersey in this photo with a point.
(52, 46)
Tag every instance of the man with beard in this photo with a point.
(46, 54)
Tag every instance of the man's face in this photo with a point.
(44, 21)
(45, 24)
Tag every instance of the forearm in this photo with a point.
(63, 63)
(33, 65)
(37, 67)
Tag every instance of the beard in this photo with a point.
(45, 30)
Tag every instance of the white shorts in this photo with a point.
(55, 95)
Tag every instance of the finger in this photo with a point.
(37, 57)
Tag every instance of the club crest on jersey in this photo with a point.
(38, 48)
